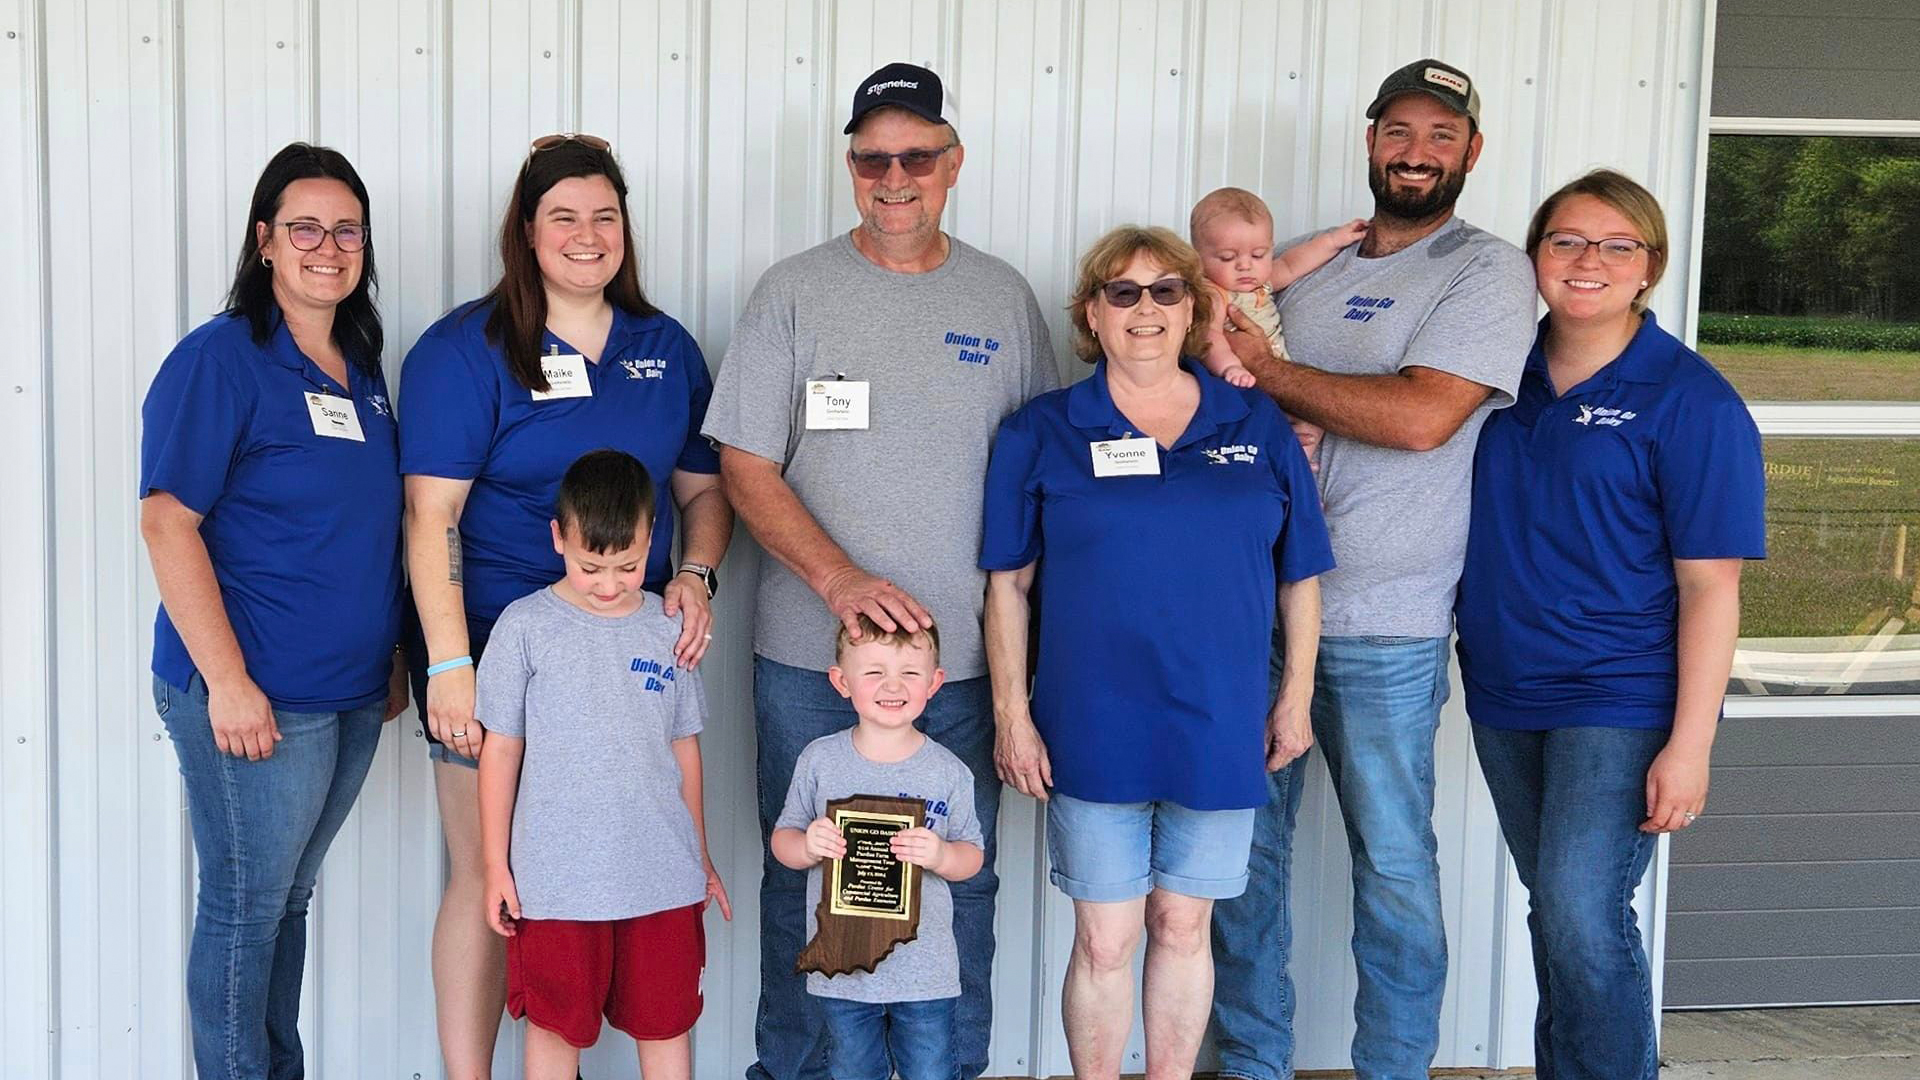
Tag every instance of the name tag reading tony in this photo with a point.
(836, 405)
(566, 377)
(334, 416)
(1138, 456)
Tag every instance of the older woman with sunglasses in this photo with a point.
(270, 502)
(1613, 505)
(1159, 510)
(565, 355)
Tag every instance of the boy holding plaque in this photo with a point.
(590, 795)
(896, 1014)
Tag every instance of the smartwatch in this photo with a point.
(707, 575)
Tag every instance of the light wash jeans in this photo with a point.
(1376, 708)
(1570, 802)
(792, 707)
(260, 829)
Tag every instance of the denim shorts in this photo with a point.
(1121, 851)
(414, 641)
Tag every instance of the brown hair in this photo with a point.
(1110, 254)
(1227, 201)
(927, 637)
(520, 297)
(1635, 203)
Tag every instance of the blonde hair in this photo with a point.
(927, 637)
(1633, 202)
(1224, 202)
(1110, 254)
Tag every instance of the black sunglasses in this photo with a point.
(1166, 292)
(874, 165)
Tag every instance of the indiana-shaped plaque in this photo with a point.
(869, 900)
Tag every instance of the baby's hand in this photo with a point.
(922, 847)
(1237, 375)
(1351, 233)
(824, 840)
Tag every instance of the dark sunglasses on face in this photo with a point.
(1166, 292)
(874, 165)
(309, 235)
(591, 142)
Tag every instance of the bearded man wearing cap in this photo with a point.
(1405, 343)
(854, 410)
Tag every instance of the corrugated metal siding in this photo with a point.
(1800, 886)
(1840, 60)
(133, 132)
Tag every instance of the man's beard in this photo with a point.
(1408, 206)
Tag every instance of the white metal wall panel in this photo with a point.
(133, 133)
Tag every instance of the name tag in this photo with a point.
(1138, 456)
(836, 405)
(566, 377)
(334, 416)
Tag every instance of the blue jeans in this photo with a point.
(792, 707)
(260, 829)
(1570, 802)
(870, 1041)
(1376, 708)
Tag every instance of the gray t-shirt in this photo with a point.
(1461, 301)
(600, 831)
(928, 967)
(947, 354)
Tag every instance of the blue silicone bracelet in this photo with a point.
(449, 665)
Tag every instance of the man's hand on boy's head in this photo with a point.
(922, 847)
(824, 840)
(851, 592)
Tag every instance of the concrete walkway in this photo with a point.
(1862, 1042)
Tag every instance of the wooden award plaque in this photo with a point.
(869, 900)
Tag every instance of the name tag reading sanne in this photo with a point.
(566, 377)
(836, 405)
(1138, 456)
(334, 416)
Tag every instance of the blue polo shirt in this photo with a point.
(1568, 609)
(466, 418)
(303, 530)
(1155, 593)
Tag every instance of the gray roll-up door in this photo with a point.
(1837, 59)
(1801, 884)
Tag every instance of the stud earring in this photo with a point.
(266, 262)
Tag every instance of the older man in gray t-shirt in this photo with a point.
(854, 410)
(1404, 345)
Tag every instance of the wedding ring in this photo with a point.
(462, 733)
(1689, 816)
(709, 637)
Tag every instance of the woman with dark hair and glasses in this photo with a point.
(1613, 505)
(271, 506)
(564, 355)
(1160, 511)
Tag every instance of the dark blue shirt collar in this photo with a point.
(1648, 358)
(625, 325)
(1090, 405)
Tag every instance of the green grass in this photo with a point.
(1809, 332)
(1834, 511)
(1789, 373)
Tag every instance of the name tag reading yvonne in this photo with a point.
(566, 377)
(836, 405)
(334, 416)
(1138, 456)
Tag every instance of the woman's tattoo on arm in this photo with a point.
(453, 556)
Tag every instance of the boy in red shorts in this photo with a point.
(590, 808)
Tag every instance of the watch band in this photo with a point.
(704, 573)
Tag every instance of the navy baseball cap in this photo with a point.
(1443, 81)
(903, 86)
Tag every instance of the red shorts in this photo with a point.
(642, 974)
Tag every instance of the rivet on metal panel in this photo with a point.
(146, 39)
(156, 736)
(416, 733)
(799, 59)
(1529, 80)
(673, 56)
(1643, 82)
(22, 740)
(419, 50)
(279, 44)
(546, 53)
(1173, 71)
(11, 35)
(19, 389)
(1049, 66)
(1683, 86)
(1293, 74)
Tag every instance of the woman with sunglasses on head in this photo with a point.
(1613, 505)
(564, 355)
(1159, 511)
(270, 504)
